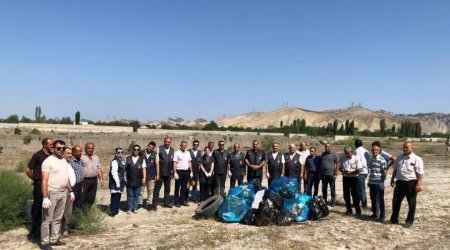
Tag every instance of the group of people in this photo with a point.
(65, 178)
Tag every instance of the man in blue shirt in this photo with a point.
(311, 175)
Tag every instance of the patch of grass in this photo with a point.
(266, 143)
(15, 191)
(21, 165)
(17, 131)
(35, 131)
(427, 151)
(130, 147)
(89, 220)
(27, 139)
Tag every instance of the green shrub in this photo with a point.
(27, 139)
(130, 147)
(17, 131)
(20, 167)
(88, 220)
(35, 131)
(266, 143)
(15, 191)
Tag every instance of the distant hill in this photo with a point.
(364, 119)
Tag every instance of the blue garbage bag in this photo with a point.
(237, 203)
(298, 207)
(284, 182)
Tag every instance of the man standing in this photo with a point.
(151, 162)
(447, 147)
(196, 156)
(69, 205)
(275, 164)
(55, 180)
(164, 171)
(311, 172)
(407, 178)
(182, 168)
(255, 159)
(304, 153)
(221, 158)
(92, 169)
(77, 167)
(377, 173)
(236, 170)
(350, 167)
(293, 167)
(363, 156)
(328, 170)
(387, 157)
(34, 172)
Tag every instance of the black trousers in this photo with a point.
(377, 198)
(181, 186)
(233, 181)
(194, 188)
(206, 191)
(115, 203)
(89, 191)
(36, 210)
(404, 189)
(220, 179)
(162, 180)
(350, 185)
(78, 195)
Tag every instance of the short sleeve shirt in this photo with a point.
(58, 173)
(35, 164)
(91, 165)
(328, 163)
(182, 159)
(408, 166)
(351, 164)
(376, 168)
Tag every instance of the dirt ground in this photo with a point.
(175, 229)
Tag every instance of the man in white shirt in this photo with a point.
(68, 208)
(407, 178)
(363, 155)
(182, 168)
(350, 167)
(55, 183)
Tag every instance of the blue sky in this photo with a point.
(150, 60)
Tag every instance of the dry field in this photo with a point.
(174, 228)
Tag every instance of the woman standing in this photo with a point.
(116, 180)
(135, 176)
(206, 171)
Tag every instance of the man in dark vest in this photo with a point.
(255, 161)
(293, 167)
(236, 164)
(34, 172)
(220, 157)
(196, 156)
(151, 159)
(135, 176)
(275, 163)
(164, 171)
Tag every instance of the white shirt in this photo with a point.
(350, 164)
(71, 173)
(274, 155)
(363, 156)
(303, 155)
(408, 166)
(135, 158)
(182, 159)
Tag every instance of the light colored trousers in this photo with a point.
(51, 217)
(149, 186)
(67, 214)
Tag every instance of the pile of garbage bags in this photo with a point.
(281, 205)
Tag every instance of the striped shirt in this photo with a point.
(376, 167)
(78, 169)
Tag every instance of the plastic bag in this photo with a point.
(283, 218)
(297, 206)
(284, 182)
(237, 203)
(286, 194)
(275, 198)
(266, 213)
(258, 199)
(250, 217)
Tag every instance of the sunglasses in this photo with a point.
(120, 152)
(60, 148)
(136, 149)
(221, 144)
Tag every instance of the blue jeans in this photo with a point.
(377, 199)
(312, 180)
(328, 180)
(133, 197)
(362, 189)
